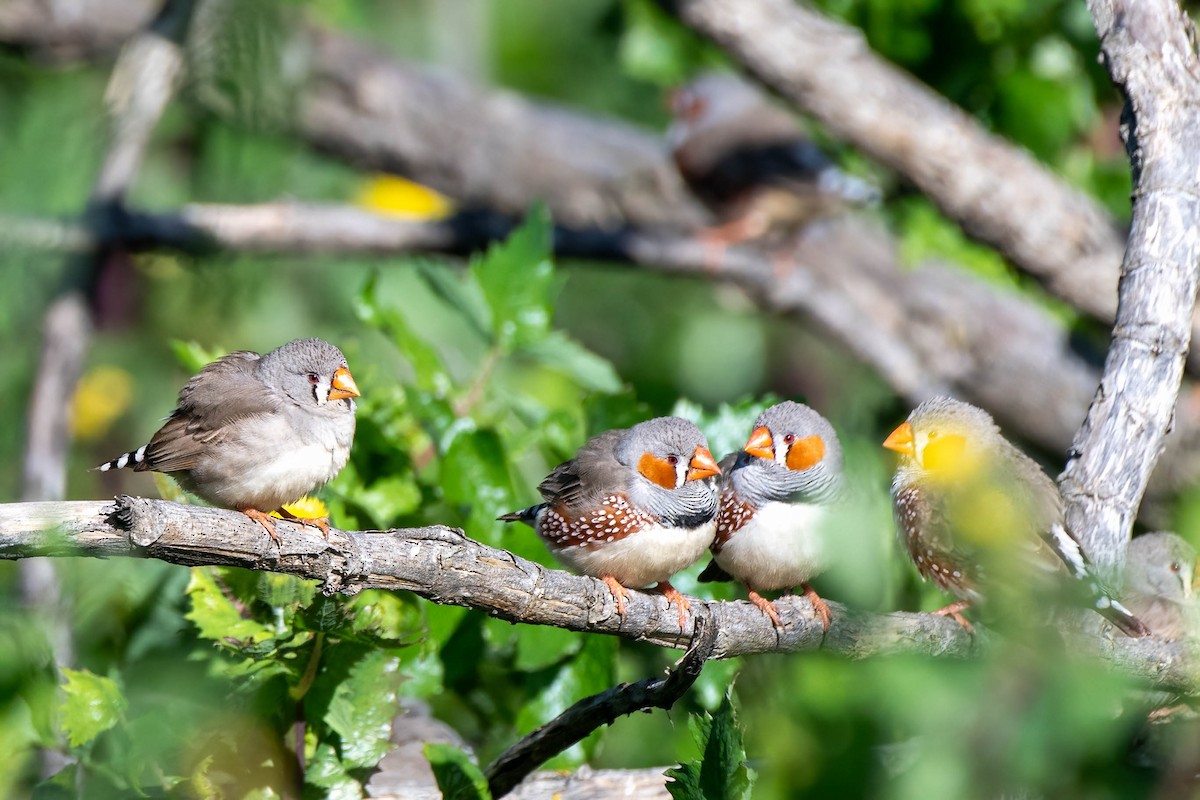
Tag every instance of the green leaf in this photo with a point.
(327, 772)
(655, 47)
(430, 373)
(215, 615)
(589, 370)
(540, 646)
(588, 673)
(517, 277)
(464, 295)
(458, 777)
(721, 773)
(390, 497)
(362, 709)
(192, 356)
(92, 705)
(276, 590)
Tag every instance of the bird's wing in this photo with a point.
(587, 478)
(221, 394)
(925, 521)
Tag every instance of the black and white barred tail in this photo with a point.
(526, 515)
(130, 459)
(1064, 544)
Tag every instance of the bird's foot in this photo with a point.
(766, 606)
(955, 610)
(819, 605)
(321, 523)
(264, 519)
(618, 593)
(718, 238)
(673, 596)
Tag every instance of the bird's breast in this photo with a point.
(778, 546)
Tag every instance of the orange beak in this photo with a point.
(761, 444)
(343, 385)
(901, 440)
(702, 465)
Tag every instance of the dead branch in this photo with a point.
(581, 719)
(443, 565)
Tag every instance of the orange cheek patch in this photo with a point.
(805, 453)
(657, 470)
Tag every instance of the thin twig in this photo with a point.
(581, 719)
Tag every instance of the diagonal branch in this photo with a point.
(998, 192)
(443, 565)
(1149, 46)
(590, 713)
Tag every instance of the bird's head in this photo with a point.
(792, 451)
(945, 438)
(1162, 565)
(311, 372)
(673, 466)
(712, 98)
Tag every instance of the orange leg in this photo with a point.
(673, 596)
(264, 519)
(819, 605)
(718, 238)
(766, 606)
(321, 523)
(955, 610)
(618, 593)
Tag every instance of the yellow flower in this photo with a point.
(306, 508)
(396, 197)
(102, 395)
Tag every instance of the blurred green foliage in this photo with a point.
(478, 379)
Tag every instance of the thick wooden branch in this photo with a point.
(443, 565)
(487, 147)
(1149, 46)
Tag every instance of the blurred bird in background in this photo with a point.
(750, 162)
(1160, 568)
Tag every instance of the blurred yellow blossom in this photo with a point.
(397, 197)
(306, 508)
(103, 394)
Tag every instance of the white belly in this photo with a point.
(649, 556)
(780, 547)
(245, 473)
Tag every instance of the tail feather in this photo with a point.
(714, 574)
(1068, 549)
(526, 515)
(1119, 615)
(130, 459)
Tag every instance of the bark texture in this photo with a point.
(1149, 47)
(443, 565)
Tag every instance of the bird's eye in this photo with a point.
(789, 438)
(672, 460)
(1176, 566)
(314, 377)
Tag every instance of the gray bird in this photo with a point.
(967, 501)
(1159, 570)
(632, 508)
(751, 163)
(776, 495)
(254, 432)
